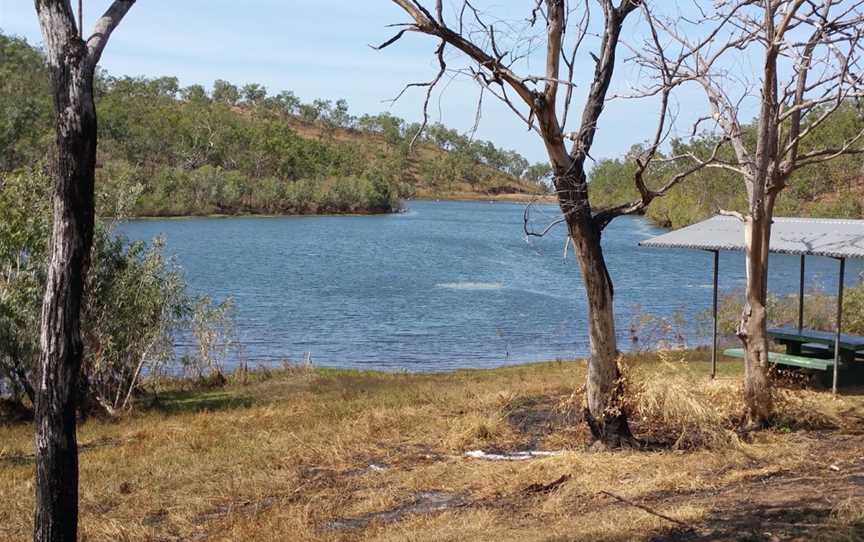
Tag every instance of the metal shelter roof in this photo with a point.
(834, 238)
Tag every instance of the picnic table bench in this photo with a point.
(805, 362)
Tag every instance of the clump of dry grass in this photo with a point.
(806, 409)
(672, 405)
(848, 512)
(476, 430)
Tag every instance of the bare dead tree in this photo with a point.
(808, 56)
(72, 63)
(495, 50)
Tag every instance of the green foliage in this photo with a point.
(225, 93)
(357, 194)
(453, 166)
(25, 106)
(136, 299)
(212, 325)
(820, 310)
(853, 309)
(182, 151)
(611, 182)
(829, 189)
(24, 233)
(538, 173)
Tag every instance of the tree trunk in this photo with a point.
(604, 389)
(56, 515)
(753, 327)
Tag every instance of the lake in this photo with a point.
(443, 285)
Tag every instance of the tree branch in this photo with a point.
(735, 214)
(425, 23)
(604, 217)
(104, 27)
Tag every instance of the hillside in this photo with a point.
(478, 181)
(167, 150)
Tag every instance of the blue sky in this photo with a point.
(319, 49)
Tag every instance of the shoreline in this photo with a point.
(287, 363)
(510, 197)
(453, 196)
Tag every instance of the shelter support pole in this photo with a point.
(839, 323)
(714, 314)
(801, 298)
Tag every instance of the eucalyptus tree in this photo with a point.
(225, 92)
(253, 93)
(495, 50)
(792, 64)
(71, 60)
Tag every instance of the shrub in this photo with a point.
(820, 310)
(136, 302)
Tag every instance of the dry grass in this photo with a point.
(679, 408)
(285, 455)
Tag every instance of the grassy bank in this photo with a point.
(321, 454)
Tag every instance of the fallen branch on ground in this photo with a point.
(546, 488)
(645, 508)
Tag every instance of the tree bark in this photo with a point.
(72, 62)
(753, 327)
(56, 515)
(604, 390)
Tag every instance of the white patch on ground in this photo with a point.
(510, 456)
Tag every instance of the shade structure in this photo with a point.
(834, 238)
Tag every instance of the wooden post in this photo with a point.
(714, 313)
(839, 326)
(801, 298)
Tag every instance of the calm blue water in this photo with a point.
(447, 284)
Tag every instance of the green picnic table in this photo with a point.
(817, 343)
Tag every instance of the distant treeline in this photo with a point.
(180, 151)
(831, 189)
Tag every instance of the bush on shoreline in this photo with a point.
(820, 310)
(136, 302)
